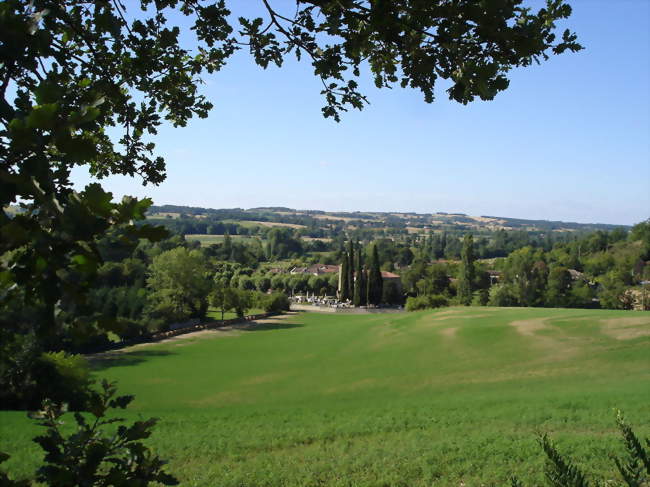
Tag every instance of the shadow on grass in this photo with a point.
(279, 325)
(124, 359)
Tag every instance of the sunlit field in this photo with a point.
(428, 398)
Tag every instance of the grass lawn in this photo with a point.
(419, 399)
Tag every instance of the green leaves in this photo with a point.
(77, 149)
(560, 471)
(97, 200)
(635, 467)
(42, 116)
(5, 481)
(92, 456)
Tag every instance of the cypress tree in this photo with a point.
(351, 268)
(429, 247)
(364, 287)
(443, 245)
(344, 288)
(227, 246)
(375, 281)
(467, 271)
(358, 284)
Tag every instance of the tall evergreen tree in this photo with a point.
(430, 247)
(364, 287)
(467, 271)
(358, 284)
(375, 281)
(351, 266)
(227, 246)
(344, 288)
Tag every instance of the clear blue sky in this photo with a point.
(569, 140)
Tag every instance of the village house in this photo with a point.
(494, 277)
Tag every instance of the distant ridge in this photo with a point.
(411, 221)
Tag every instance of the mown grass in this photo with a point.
(429, 398)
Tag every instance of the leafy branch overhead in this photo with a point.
(411, 43)
(89, 84)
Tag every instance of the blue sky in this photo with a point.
(569, 140)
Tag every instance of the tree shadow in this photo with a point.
(118, 358)
(270, 326)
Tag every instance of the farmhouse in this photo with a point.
(385, 275)
(494, 276)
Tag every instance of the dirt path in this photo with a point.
(627, 328)
(529, 328)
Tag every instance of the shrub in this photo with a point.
(275, 303)
(63, 378)
(426, 302)
(502, 295)
(91, 456)
(18, 354)
(438, 301)
(28, 376)
(481, 297)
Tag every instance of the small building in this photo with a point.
(388, 275)
(494, 277)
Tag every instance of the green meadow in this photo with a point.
(437, 398)
(206, 240)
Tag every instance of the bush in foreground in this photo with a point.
(92, 456)
(28, 376)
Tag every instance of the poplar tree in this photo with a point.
(227, 247)
(427, 248)
(467, 271)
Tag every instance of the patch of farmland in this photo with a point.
(253, 223)
(213, 239)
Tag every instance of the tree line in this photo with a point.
(599, 270)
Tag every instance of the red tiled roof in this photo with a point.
(389, 275)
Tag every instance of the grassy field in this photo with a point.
(253, 223)
(213, 239)
(428, 398)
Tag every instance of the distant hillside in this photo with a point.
(412, 223)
